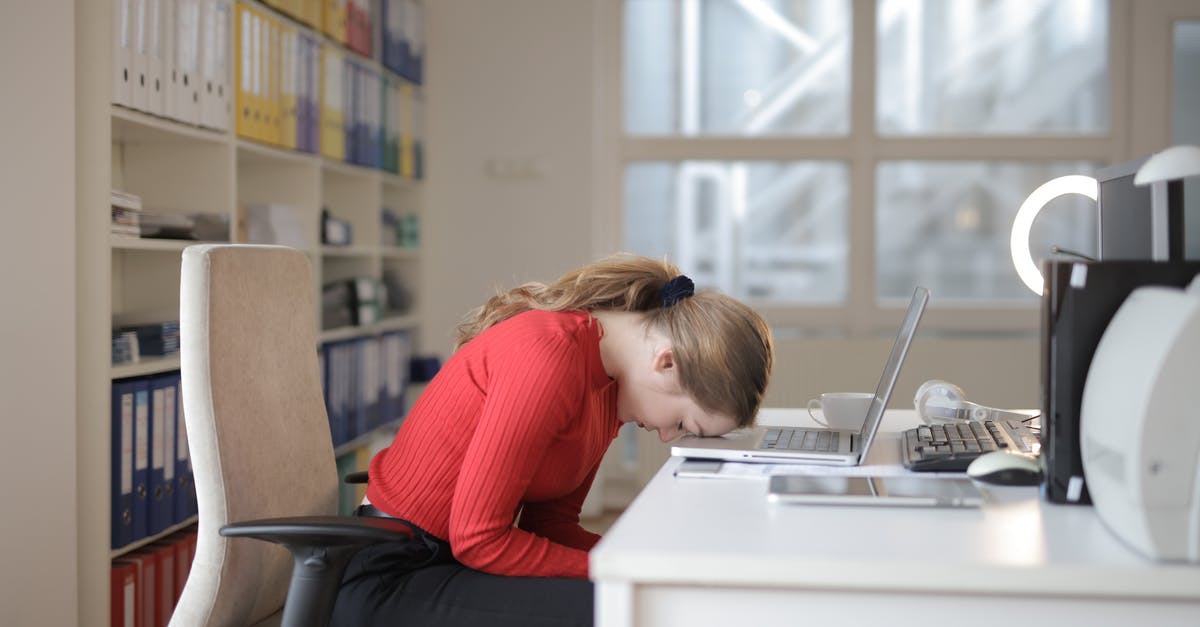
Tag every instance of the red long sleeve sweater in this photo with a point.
(516, 421)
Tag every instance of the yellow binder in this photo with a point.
(288, 64)
(244, 94)
(258, 40)
(334, 20)
(407, 156)
(333, 139)
(273, 111)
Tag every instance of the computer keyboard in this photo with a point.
(796, 439)
(953, 446)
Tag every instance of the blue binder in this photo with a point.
(402, 376)
(163, 398)
(185, 490)
(350, 110)
(387, 405)
(371, 128)
(122, 463)
(335, 403)
(367, 405)
(162, 447)
(141, 458)
(349, 394)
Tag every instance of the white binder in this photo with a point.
(122, 52)
(169, 74)
(139, 94)
(187, 60)
(155, 49)
(213, 83)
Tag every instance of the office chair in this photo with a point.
(260, 445)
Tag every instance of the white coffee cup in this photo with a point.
(841, 410)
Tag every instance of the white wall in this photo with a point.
(511, 83)
(509, 89)
(37, 319)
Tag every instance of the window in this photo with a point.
(750, 67)
(1008, 67)
(819, 158)
(766, 230)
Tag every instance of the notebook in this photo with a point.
(800, 445)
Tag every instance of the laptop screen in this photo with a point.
(891, 371)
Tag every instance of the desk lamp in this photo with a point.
(1019, 240)
(1176, 162)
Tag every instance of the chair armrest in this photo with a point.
(326, 531)
(321, 547)
(355, 477)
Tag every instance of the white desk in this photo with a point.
(715, 552)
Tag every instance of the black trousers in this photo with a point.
(420, 583)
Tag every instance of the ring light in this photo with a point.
(1022, 224)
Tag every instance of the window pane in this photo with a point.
(736, 67)
(946, 225)
(758, 230)
(992, 67)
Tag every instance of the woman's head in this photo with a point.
(722, 348)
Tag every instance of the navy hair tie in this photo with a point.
(676, 290)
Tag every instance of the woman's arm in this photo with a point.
(558, 519)
(531, 394)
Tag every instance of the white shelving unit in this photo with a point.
(180, 169)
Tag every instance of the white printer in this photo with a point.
(1140, 423)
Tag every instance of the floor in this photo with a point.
(600, 524)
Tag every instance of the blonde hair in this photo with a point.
(722, 347)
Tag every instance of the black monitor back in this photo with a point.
(1078, 301)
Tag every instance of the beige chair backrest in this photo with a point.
(256, 423)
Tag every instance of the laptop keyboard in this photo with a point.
(954, 446)
(800, 440)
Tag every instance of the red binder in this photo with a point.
(164, 582)
(123, 601)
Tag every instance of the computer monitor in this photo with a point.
(1126, 221)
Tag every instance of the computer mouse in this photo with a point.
(1005, 468)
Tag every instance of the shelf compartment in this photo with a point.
(366, 438)
(136, 127)
(149, 244)
(250, 151)
(398, 182)
(129, 548)
(359, 172)
(145, 366)
(399, 253)
(365, 252)
(390, 323)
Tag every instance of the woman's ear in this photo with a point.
(664, 359)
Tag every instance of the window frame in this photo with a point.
(862, 150)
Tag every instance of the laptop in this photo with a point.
(802, 445)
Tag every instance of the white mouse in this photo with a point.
(1005, 468)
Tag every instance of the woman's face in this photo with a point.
(652, 398)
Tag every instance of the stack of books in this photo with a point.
(126, 213)
(157, 339)
(400, 230)
(124, 347)
(352, 302)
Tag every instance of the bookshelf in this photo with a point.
(178, 168)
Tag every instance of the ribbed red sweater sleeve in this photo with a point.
(559, 519)
(518, 419)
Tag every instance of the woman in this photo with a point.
(495, 459)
